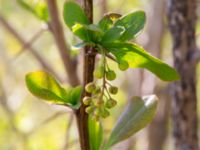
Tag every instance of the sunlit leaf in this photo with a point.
(138, 114)
(81, 31)
(137, 57)
(45, 86)
(73, 14)
(133, 23)
(95, 134)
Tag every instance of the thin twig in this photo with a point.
(33, 51)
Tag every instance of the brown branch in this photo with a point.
(57, 30)
(88, 66)
(33, 51)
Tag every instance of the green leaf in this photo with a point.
(43, 85)
(137, 57)
(133, 23)
(73, 14)
(95, 134)
(138, 114)
(88, 33)
(81, 31)
(38, 9)
(113, 34)
(108, 20)
(75, 96)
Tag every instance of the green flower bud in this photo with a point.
(90, 87)
(110, 75)
(87, 100)
(123, 65)
(105, 113)
(110, 103)
(99, 72)
(113, 90)
(89, 109)
(98, 102)
(97, 90)
(97, 112)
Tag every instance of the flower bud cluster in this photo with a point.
(97, 105)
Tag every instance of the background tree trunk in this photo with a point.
(182, 20)
(157, 131)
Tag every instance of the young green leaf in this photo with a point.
(113, 34)
(81, 31)
(73, 14)
(108, 20)
(43, 85)
(88, 33)
(95, 134)
(75, 97)
(137, 115)
(137, 57)
(133, 23)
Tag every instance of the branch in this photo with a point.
(42, 61)
(57, 30)
(88, 68)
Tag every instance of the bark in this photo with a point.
(182, 20)
(88, 66)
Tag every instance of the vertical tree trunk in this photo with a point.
(157, 131)
(88, 66)
(182, 20)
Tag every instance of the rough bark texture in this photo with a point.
(88, 65)
(182, 19)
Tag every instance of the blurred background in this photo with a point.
(26, 44)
